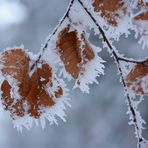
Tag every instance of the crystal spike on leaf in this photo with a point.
(79, 57)
(110, 10)
(35, 94)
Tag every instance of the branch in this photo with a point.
(143, 62)
(117, 59)
(43, 48)
(113, 52)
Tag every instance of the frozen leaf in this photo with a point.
(141, 16)
(137, 79)
(140, 20)
(74, 51)
(113, 16)
(80, 58)
(38, 97)
(112, 11)
(32, 94)
(16, 83)
(142, 3)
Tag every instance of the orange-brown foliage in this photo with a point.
(110, 10)
(134, 77)
(141, 3)
(32, 89)
(71, 53)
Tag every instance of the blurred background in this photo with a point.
(95, 120)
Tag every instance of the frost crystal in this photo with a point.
(33, 89)
(30, 97)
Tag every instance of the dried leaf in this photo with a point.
(74, 51)
(137, 79)
(110, 10)
(38, 97)
(16, 63)
(32, 90)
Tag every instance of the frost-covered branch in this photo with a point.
(143, 62)
(35, 87)
(107, 41)
(117, 59)
(66, 15)
(43, 48)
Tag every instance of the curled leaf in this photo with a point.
(137, 79)
(111, 11)
(24, 93)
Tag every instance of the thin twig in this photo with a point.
(43, 48)
(143, 62)
(117, 59)
(106, 40)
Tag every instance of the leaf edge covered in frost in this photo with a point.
(47, 113)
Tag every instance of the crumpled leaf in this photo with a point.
(137, 79)
(23, 93)
(112, 11)
(74, 51)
